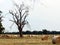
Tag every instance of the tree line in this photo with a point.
(44, 31)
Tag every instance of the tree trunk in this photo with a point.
(20, 32)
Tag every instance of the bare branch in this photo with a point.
(11, 12)
(11, 25)
(24, 13)
(16, 5)
(24, 23)
(16, 16)
(25, 16)
(12, 21)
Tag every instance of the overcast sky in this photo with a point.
(44, 14)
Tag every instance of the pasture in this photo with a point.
(27, 40)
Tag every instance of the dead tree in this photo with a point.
(19, 16)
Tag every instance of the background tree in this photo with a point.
(19, 16)
(44, 31)
(1, 26)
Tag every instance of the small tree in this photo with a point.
(19, 16)
(1, 27)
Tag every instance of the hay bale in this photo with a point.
(13, 36)
(56, 40)
(16, 36)
(1, 36)
(30, 36)
(9, 36)
(45, 37)
(4, 36)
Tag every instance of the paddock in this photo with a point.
(26, 40)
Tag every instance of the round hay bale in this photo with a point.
(56, 40)
(44, 37)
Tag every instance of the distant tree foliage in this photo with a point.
(1, 26)
(34, 32)
(44, 31)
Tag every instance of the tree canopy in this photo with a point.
(1, 26)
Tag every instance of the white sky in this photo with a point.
(44, 14)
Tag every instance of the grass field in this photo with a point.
(26, 41)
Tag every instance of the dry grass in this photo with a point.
(26, 41)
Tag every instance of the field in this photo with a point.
(26, 40)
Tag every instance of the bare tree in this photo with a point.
(19, 16)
